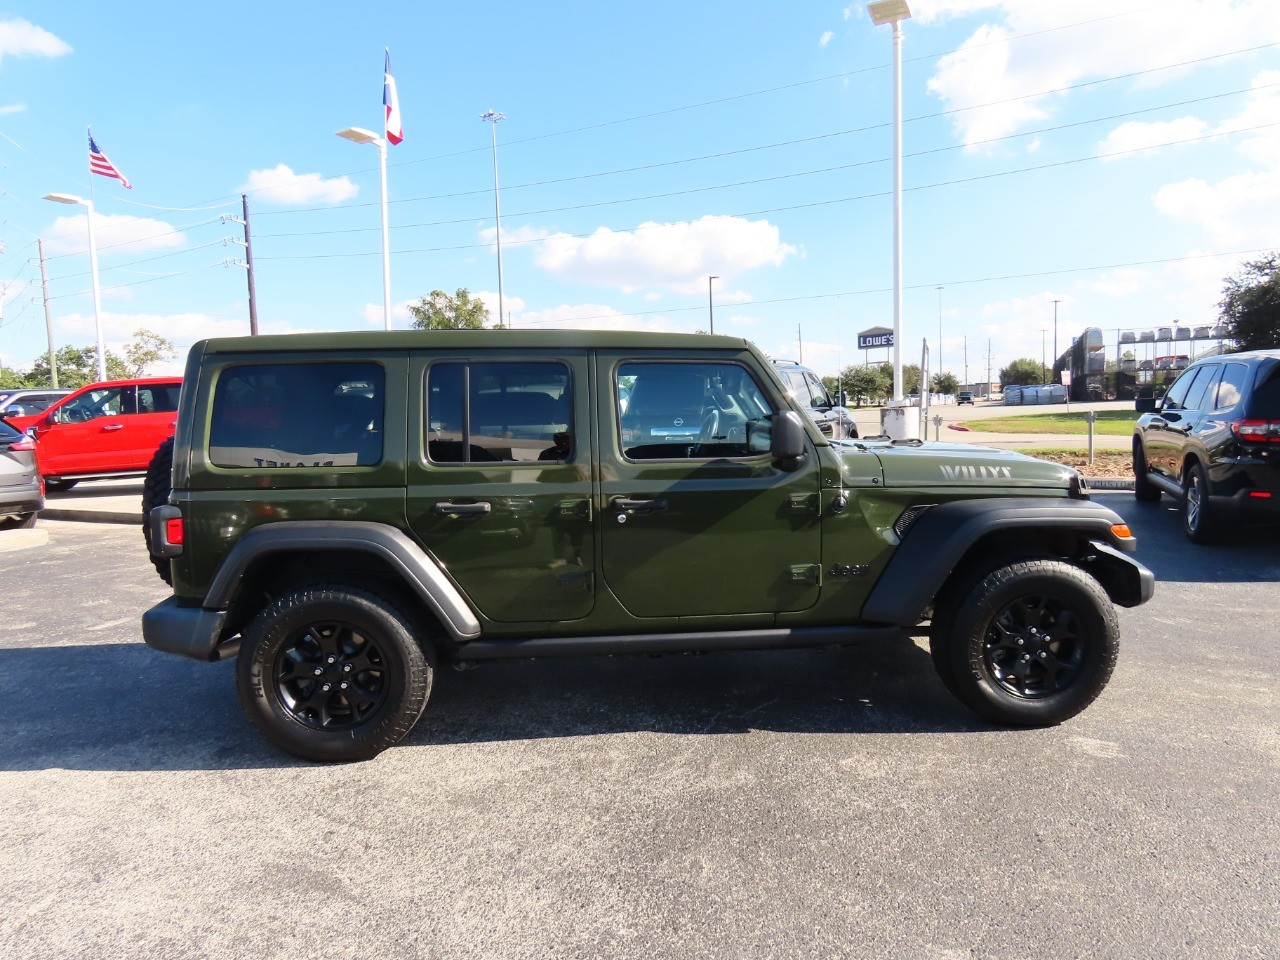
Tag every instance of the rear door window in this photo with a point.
(291, 415)
(1266, 394)
(499, 412)
(1204, 383)
(1177, 395)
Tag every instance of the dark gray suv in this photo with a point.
(809, 391)
(1213, 442)
(20, 495)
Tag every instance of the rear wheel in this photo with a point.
(57, 484)
(1198, 521)
(23, 521)
(1144, 491)
(155, 491)
(1032, 644)
(333, 673)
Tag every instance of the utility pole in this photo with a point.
(987, 388)
(1055, 331)
(967, 384)
(800, 343)
(48, 317)
(711, 310)
(247, 263)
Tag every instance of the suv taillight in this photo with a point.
(1257, 431)
(25, 444)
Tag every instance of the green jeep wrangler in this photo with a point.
(346, 512)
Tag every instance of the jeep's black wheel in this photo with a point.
(1032, 644)
(1144, 491)
(1198, 521)
(155, 491)
(23, 521)
(57, 484)
(332, 673)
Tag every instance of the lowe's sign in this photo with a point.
(875, 338)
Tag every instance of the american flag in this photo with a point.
(395, 130)
(98, 163)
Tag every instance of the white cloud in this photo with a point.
(671, 256)
(742, 320)
(595, 316)
(281, 185)
(1120, 283)
(988, 70)
(1239, 210)
(1133, 137)
(11, 108)
(118, 328)
(18, 38)
(826, 38)
(114, 234)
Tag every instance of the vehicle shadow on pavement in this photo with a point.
(1246, 553)
(116, 706)
(865, 688)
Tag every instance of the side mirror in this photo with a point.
(1145, 405)
(787, 441)
(17, 410)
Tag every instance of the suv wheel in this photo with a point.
(23, 521)
(155, 491)
(57, 484)
(1032, 644)
(1144, 491)
(333, 673)
(1197, 517)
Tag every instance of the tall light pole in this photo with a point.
(939, 331)
(711, 310)
(361, 135)
(1044, 370)
(93, 266)
(894, 12)
(1055, 331)
(492, 117)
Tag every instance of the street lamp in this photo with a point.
(361, 135)
(939, 331)
(711, 312)
(894, 12)
(93, 266)
(492, 117)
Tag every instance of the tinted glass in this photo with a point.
(296, 415)
(9, 434)
(1266, 394)
(1207, 379)
(499, 412)
(1174, 399)
(160, 398)
(682, 411)
(1231, 385)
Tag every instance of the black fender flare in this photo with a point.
(418, 570)
(935, 543)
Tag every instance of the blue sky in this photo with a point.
(1120, 157)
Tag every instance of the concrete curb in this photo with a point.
(92, 516)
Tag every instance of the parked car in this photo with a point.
(1213, 443)
(964, 396)
(108, 429)
(21, 496)
(24, 403)
(810, 392)
(396, 509)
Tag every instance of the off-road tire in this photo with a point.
(329, 627)
(23, 521)
(1198, 520)
(1144, 491)
(155, 491)
(975, 647)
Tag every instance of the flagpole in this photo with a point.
(386, 237)
(93, 266)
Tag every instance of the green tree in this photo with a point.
(77, 366)
(866, 384)
(12, 379)
(439, 311)
(944, 383)
(910, 377)
(1023, 372)
(144, 351)
(1250, 305)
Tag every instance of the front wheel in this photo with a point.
(332, 673)
(1031, 645)
(1144, 491)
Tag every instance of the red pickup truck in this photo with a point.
(107, 429)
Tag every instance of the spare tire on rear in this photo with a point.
(155, 491)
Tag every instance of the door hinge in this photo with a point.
(807, 573)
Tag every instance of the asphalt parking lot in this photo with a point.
(813, 803)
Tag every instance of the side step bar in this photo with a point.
(1166, 484)
(651, 643)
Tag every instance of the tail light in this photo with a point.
(1257, 431)
(173, 531)
(25, 445)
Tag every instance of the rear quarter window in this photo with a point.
(1265, 404)
(297, 415)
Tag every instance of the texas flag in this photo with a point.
(395, 130)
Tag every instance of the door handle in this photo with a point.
(623, 503)
(461, 509)
(112, 426)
